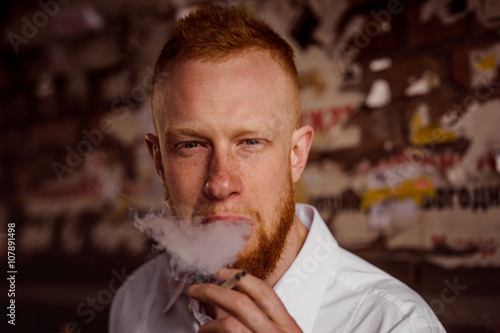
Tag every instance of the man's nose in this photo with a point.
(223, 179)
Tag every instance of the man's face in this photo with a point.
(225, 139)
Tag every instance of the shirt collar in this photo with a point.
(302, 286)
(179, 288)
(172, 288)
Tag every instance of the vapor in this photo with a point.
(197, 251)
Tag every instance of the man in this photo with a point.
(229, 148)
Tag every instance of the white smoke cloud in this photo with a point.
(196, 250)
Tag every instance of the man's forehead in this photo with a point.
(254, 78)
(235, 117)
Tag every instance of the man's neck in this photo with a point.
(295, 240)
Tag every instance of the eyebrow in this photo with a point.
(172, 134)
(180, 132)
(189, 132)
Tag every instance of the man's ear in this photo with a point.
(301, 143)
(154, 150)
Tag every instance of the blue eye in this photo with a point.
(252, 142)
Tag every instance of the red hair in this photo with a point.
(215, 34)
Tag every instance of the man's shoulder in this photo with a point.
(135, 293)
(140, 280)
(357, 273)
(373, 292)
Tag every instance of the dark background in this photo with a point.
(77, 84)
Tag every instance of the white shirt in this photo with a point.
(327, 289)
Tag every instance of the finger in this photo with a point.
(235, 303)
(220, 313)
(264, 296)
(228, 324)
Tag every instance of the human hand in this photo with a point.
(251, 306)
